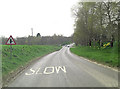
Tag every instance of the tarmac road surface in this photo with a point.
(64, 69)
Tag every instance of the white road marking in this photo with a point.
(62, 68)
(45, 71)
(33, 71)
(38, 71)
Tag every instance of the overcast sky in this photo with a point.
(46, 17)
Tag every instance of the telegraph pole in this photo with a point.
(32, 31)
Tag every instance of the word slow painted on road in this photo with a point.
(47, 70)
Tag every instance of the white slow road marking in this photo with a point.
(62, 68)
(33, 71)
(38, 71)
(47, 70)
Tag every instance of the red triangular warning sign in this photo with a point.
(10, 41)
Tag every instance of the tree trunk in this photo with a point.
(89, 42)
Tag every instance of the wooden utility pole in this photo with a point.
(32, 31)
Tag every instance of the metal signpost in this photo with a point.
(10, 42)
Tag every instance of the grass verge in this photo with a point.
(21, 55)
(107, 56)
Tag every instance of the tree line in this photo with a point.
(41, 40)
(96, 22)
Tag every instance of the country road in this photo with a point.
(64, 69)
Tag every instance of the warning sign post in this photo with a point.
(10, 42)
